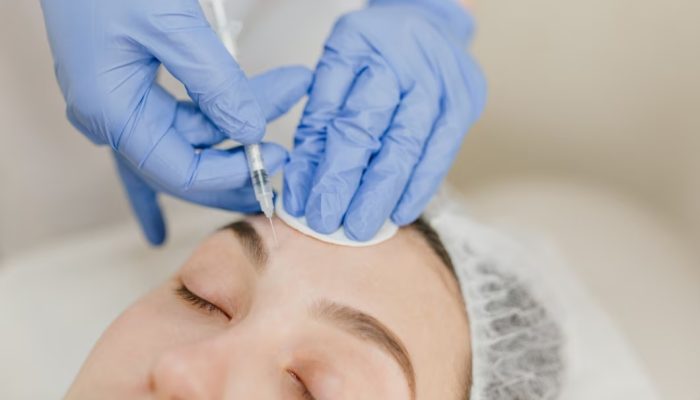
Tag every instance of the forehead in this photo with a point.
(399, 261)
(401, 282)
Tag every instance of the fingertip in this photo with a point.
(275, 156)
(150, 218)
(322, 214)
(251, 127)
(364, 221)
(236, 112)
(322, 226)
(144, 203)
(280, 89)
(282, 76)
(358, 230)
(290, 200)
(403, 217)
(301, 75)
(297, 184)
(155, 236)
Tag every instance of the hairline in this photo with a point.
(434, 242)
(255, 249)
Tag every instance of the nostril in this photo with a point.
(173, 378)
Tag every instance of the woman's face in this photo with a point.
(244, 319)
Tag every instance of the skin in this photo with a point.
(468, 4)
(260, 341)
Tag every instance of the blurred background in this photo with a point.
(591, 140)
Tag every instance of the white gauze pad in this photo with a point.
(386, 232)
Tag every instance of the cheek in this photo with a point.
(121, 362)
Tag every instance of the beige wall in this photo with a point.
(52, 181)
(604, 90)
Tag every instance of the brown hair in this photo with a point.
(432, 238)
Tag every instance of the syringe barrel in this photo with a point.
(259, 178)
(260, 182)
(255, 158)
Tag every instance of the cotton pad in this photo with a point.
(386, 232)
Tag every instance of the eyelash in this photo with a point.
(306, 393)
(186, 294)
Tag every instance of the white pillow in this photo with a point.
(56, 301)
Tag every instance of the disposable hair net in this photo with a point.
(517, 343)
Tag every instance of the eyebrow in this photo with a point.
(355, 322)
(367, 328)
(252, 243)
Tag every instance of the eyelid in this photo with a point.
(194, 299)
(304, 390)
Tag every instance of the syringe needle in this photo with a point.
(274, 233)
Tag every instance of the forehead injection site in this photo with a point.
(252, 243)
(354, 322)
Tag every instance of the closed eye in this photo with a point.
(301, 386)
(210, 308)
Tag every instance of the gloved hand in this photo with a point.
(107, 54)
(394, 95)
(230, 189)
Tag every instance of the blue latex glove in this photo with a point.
(277, 91)
(107, 54)
(394, 95)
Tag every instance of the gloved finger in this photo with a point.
(333, 79)
(429, 172)
(239, 200)
(161, 153)
(143, 201)
(463, 103)
(353, 137)
(220, 169)
(178, 35)
(389, 171)
(195, 127)
(278, 90)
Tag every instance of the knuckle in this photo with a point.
(357, 134)
(84, 109)
(408, 143)
(217, 90)
(84, 101)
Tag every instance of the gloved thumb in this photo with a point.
(143, 201)
(280, 89)
(179, 36)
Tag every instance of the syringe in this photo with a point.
(261, 184)
(227, 30)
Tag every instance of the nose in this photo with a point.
(232, 365)
(182, 374)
